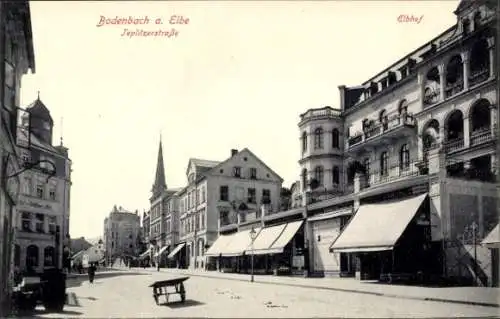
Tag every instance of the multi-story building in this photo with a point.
(121, 234)
(161, 215)
(18, 57)
(145, 227)
(224, 198)
(44, 203)
(412, 153)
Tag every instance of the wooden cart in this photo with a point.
(160, 288)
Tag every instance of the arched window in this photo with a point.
(404, 157)
(304, 141)
(335, 138)
(335, 175)
(383, 119)
(304, 178)
(318, 138)
(384, 169)
(32, 257)
(403, 107)
(318, 174)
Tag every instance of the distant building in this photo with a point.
(121, 234)
(162, 214)
(17, 56)
(44, 201)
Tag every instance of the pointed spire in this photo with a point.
(38, 95)
(61, 138)
(159, 183)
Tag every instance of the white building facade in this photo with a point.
(427, 125)
(121, 234)
(223, 197)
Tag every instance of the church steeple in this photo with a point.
(159, 184)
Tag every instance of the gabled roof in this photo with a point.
(253, 155)
(201, 163)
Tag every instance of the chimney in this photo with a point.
(234, 152)
(342, 96)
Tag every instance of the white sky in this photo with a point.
(238, 75)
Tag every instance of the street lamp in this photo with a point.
(252, 237)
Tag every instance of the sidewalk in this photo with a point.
(479, 296)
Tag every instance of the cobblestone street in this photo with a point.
(129, 296)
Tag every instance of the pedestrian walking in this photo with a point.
(91, 272)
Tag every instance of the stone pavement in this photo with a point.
(127, 295)
(481, 296)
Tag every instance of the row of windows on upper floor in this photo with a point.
(383, 169)
(195, 222)
(42, 223)
(41, 190)
(198, 196)
(318, 139)
(367, 124)
(385, 83)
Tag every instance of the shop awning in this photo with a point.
(239, 243)
(330, 215)
(377, 227)
(219, 245)
(492, 240)
(162, 250)
(146, 253)
(284, 238)
(176, 250)
(266, 238)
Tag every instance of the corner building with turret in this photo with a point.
(400, 182)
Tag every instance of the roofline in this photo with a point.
(409, 55)
(258, 159)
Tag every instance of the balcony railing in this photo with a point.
(455, 88)
(472, 174)
(481, 136)
(226, 220)
(393, 173)
(358, 138)
(380, 129)
(454, 145)
(478, 76)
(318, 113)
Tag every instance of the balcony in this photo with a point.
(323, 113)
(454, 145)
(228, 221)
(478, 76)
(481, 137)
(453, 89)
(393, 173)
(396, 127)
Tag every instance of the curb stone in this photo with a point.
(398, 296)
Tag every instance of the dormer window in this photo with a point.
(373, 88)
(465, 26)
(477, 20)
(237, 171)
(391, 78)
